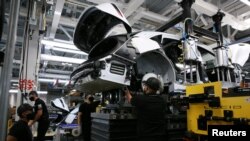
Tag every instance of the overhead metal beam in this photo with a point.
(227, 3)
(234, 33)
(238, 6)
(197, 19)
(210, 10)
(117, 3)
(55, 76)
(58, 71)
(170, 23)
(70, 22)
(142, 13)
(175, 11)
(52, 48)
(154, 16)
(136, 17)
(200, 15)
(56, 18)
(243, 40)
(65, 32)
(169, 9)
(61, 59)
(78, 3)
(133, 5)
(205, 32)
(244, 14)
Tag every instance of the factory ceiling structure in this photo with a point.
(55, 21)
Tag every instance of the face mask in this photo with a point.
(144, 89)
(30, 116)
(32, 99)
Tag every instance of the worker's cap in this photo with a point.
(33, 93)
(153, 83)
(23, 108)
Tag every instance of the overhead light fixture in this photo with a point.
(53, 76)
(14, 80)
(180, 65)
(13, 91)
(16, 91)
(42, 92)
(67, 64)
(65, 50)
(15, 84)
(247, 2)
(52, 80)
(59, 43)
(61, 59)
(58, 13)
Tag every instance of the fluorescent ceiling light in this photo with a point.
(61, 59)
(54, 76)
(42, 92)
(16, 91)
(57, 13)
(52, 80)
(13, 91)
(61, 44)
(67, 64)
(65, 50)
(247, 2)
(15, 84)
(14, 80)
(180, 65)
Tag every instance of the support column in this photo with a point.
(7, 69)
(1, 64)
(2, 12)
(30, 66)
(30, 53)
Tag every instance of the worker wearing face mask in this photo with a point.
(41, 116)
(20, 131)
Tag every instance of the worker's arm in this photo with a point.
(128, 95)
(80, 114)
(79, 118)
(11, 138)
(37, 117)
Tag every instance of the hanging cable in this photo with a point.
(25, 49)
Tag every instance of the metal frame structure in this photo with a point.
(7, 69)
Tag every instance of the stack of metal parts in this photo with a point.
(113, 125)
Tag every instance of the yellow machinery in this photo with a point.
(210, 104)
